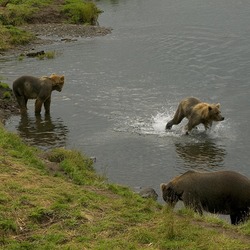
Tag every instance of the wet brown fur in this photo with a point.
(224, 192)
(196, 112)
(30, 87)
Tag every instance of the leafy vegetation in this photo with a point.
(55, 200)
(14, 13)
(48, 55)
(81, 12)
(18, 12)
(12, 36)
(5, 91)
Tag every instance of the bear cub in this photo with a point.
(196, 112)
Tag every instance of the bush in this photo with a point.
(17, 14)
(4, 85)
(18, 36)
(81, 12)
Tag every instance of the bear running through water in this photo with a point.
(196, 112)
(30, 87)
(224, 192)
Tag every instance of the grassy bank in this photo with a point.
(55, 200)
(14, 13)
(11, 37)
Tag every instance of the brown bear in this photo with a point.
(30, 87)
(224, 192)
(196, 112)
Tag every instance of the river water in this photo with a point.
(121, 90)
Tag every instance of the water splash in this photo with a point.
(155, 125)
(159, 122)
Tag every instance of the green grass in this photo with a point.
(11, 36)
(48, 55)
(81, 12)
(17, 14)
(5, 91)
(20, 12)
(55, 200)
(4, 85)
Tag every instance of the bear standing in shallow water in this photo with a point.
(224, 192)
(30, 87)
(196, 112)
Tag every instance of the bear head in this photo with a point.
(214, 112)
(169, 194)
(58, 81)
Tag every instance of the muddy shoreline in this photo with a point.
(49, 33)
(66, 30)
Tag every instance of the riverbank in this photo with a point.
(56, 200)
(24, 24)
(55, 32)
(62, 30)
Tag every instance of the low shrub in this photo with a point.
(81, 12)
(18, 12)
(18, 36)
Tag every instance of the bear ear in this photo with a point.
(218, 105)
(53, 77)
(163, 186)
(209, 108)
(62, 78)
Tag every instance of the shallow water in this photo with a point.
(122, 89)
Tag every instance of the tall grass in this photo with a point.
(81, 12)
(19, 12)
(12, 36)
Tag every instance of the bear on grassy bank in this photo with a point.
(30, 87)
(196, 112)
(224, 192)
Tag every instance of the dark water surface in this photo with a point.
(121, 89)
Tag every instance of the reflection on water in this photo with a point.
(201, 155)
(42, 131)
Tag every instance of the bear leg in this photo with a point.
(178, 117)
(38, 106)
(169, 125)
(192, 123)
(47, 105)
(22, 102)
